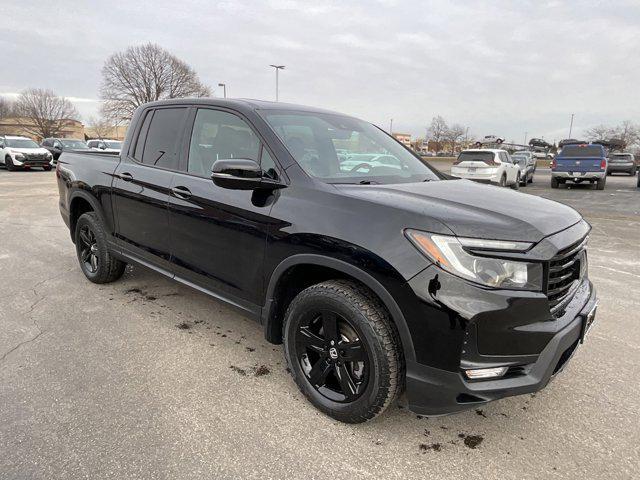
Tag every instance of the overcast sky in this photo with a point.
(502, 68)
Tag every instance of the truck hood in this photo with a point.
(470, 209)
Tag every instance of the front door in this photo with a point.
(141, 186)
(218, 236)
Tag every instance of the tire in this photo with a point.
(638, 180)
(526, 181)
(351, 391)
(554, 182)
(8, 162)
(516, 185)
(503, 181)
(97, 264)
(601, 183)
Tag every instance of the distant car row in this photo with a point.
(22, 152)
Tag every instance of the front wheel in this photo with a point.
(516, 185)
(97, 264)
(343, 351)
(503, 181)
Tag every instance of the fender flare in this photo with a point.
(91, 200)
(349, 269)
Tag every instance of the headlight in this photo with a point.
(19, 156)
(48, 156)
(452, 254)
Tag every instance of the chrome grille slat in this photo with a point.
(563, 275)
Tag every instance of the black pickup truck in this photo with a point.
(377, 272)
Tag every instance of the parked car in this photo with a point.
(531, 161)
(526, 171)
(487, 166)
(105, 145)
(58, 145)
(22, 152)
(374, 280)
(488, 139)
(580, 163)
(621, 162)
(540, 143)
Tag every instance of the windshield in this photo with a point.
(622, 156)
(341, 149)
(21, 143)
(74, 144)
(116, 145)
(581, 151)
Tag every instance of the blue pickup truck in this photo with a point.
(580, 163)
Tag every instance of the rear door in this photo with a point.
(218, 236)
(142, 182)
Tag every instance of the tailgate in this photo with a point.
(577, 164)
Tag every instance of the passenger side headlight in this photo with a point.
(454, 255)
(19, 156)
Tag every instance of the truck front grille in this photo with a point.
(564, 274)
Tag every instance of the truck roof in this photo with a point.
(243, 104)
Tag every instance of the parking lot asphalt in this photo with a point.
(145, 378)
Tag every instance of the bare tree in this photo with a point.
(6, 108)
(102, 126)
(599, 132)
(628, 132)
(42, 113)
(453, 134)
(438, 131)
(143, 74)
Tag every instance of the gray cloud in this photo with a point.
(500, 67)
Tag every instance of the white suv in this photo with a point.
(22, 152)
(487, 166)
(106, 145)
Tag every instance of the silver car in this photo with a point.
(526, 161)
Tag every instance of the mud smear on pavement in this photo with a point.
(238, 370)
(436, 447)
(480, 412)
(183, 326)
(250, 349)
(472, 441)
(132, 290)
(262, 370)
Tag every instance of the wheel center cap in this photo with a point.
(333, 353)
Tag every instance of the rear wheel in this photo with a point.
(503, 181)
(516, 185)
(343, 350)
(8, 162)
(554, 182)
(97, 264)
(601, 183)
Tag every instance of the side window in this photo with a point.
(142, 135)
(219, 135)
(46, 142)
(268, 165)
(161, 145)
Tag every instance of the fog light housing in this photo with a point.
(481, 373)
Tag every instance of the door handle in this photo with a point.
(125, 177)
(181, 192)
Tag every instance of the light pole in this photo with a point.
(224, 88)
(525, 138)
(391, 127)
(571, 125)
(278, 68)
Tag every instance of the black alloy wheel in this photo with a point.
(88, 249)
(343, 350)
(332, 357)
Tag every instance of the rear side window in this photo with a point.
(581, 151)
(142, 135)
(161, 144)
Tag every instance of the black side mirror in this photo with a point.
(241, 174)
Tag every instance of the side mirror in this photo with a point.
(103, 147)
(241, 174)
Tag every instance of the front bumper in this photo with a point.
(28, 162)
(434, 391)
